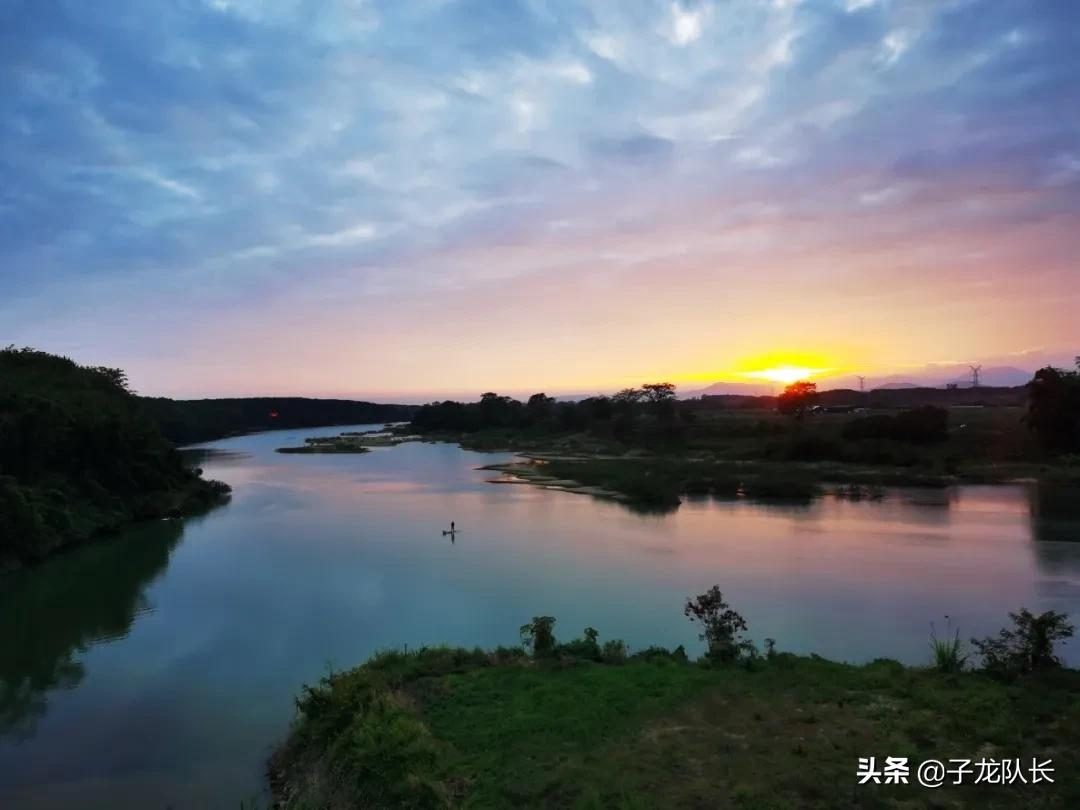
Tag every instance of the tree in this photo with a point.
(797, 399)
(660, 398)
(539, 636)
(497, 411)
(539, 407)
(115, 377)
(1053, 413)
(1026, 647)
(721, 626)
(627, 398)
(658, 392)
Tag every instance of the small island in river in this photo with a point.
(348, 442)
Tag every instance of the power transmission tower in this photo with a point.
(862, 382)
(975, 375)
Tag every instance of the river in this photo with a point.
(158, 669)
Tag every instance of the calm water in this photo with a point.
(158, 669)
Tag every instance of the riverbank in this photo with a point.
(648, 449)
(443, 727)
(653, 479)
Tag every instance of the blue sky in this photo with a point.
(361, 197)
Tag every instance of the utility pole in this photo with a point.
(975, 375)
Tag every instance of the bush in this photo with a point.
(656, 653)
(583, 647)
(1028, 646)
(370, 749)
(925, 425)
(506, 655)
(785, 487)
(815, 448)
(614, 651)
(948, 651)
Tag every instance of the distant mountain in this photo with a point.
(940, 376)
(732, 388)
(1000, 376)
(926, 377)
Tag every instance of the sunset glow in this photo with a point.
(589, 196)
(785, 374)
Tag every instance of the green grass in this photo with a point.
(492, 732)
(947, 653)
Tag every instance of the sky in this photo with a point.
(418, 198)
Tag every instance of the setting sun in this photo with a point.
(785, 374)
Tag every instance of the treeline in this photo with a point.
(885, 398)
(1054, 408)
(653, 414)
(634, 413)
(200, 420)
(79, 456)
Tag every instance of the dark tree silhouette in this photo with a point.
(797, 399)
(80, 457)
(1053, 412)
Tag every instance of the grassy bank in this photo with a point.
(767, 456)
(445, 727)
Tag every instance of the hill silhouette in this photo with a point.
(79, 457)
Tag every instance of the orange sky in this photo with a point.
(590, 196)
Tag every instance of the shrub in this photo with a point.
(538, 636)
(505, 655)
(389, 756)
(783, 487)
(613, 651)
(814, 448)
(583, 647)
(925, 425)
(372, 747)
(721, 626)
(948, 651)
(1028, 646)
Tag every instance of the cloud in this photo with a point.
(234, 155)
(685, 25)
(893, 46)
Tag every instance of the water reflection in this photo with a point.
(90, 595)
(1054, 511)
(329, 558)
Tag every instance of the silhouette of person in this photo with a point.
(451, 527)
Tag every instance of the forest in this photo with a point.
(201, 420)
(80, 457)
